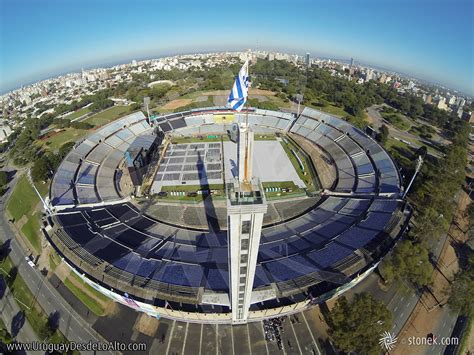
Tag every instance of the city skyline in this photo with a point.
(431, 41)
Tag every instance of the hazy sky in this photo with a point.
(429, 39)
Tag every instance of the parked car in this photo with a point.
(30, 261)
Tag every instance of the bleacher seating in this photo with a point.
(139, 249)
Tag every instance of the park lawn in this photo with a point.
(77, 114)
(400, 151)
(54, 260)
(211, 93)
(27, 303)
(31, 230)
(22, 200)
(431, 149)
(328, 107)
(90, 289)
(278, 101)
(42, 187)
(109, 115)
(396, 120)
(322, 104)
(333, 110)
(87, 300)
(70, 134)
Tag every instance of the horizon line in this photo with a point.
(125, 60)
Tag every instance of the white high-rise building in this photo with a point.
(246, 206)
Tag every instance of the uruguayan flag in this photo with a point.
(239, 93)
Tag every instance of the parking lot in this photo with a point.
(298, 336)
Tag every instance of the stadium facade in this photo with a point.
(181, 272)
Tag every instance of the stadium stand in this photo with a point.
(326, 246)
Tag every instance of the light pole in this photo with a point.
(419, 163)
(146, 101)
(45, 205)
(299, 98)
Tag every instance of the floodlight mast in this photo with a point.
(45, 205)
(419, 163)
(146, 101)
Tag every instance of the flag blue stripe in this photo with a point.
(238, 94)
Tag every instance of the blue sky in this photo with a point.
(429, 39)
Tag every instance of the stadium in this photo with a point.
(136, 210)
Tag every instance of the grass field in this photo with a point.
(31, 229)
(22, 202)
(54, 260)
(193, 96)
(56, 140)
(399, 151)
(77, 114)
(329, 107)
(27, 303)
(43, 188)
(171, 105)
(109, 115)
(83, 294)
(396, 120)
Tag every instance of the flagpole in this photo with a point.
(248, 92)
(247, 121)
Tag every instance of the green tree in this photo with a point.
(65, 148)
(383, 135)
(356, 326)
(3, 178)
(461, 298)
(40, 170)
(5, 338)
(410, 262)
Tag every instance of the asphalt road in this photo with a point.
(12, 317)
(402, 301)
(70, 323)
(395, 132)
(180, 335)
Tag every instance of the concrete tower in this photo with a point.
(245, 153)
(246, 205)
